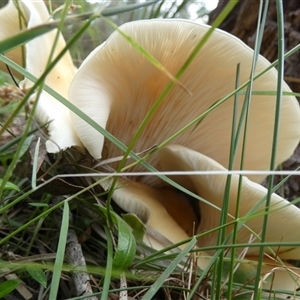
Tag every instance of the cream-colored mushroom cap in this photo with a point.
(11, 24)
(38, 50)
(117, 85)
(283, 218)
(149, 204)
(60, 130)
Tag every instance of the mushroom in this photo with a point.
(116, 86)
(38, 51)
(155, 211)
(120, 85)
(283, 216)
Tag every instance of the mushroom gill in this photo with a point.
(116, 86)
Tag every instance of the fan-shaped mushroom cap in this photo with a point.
(38, 50)
(283, 218)
(117, 85)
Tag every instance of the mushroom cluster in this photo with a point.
(117, 85)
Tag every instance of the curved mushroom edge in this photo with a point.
(283, 217)
(116, 86)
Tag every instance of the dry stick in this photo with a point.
(75, 258)
(123, 285)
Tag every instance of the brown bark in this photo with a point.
(242, 22)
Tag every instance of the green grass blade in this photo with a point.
(180, 8)
(16, 140)
(26, 36)
(118, 10)
(109, 265)
(29, 34)
(9, 186)
(8, 286)
(156, 13)
(143, 51)
(162, 278)
(232, 154)
(58, 266)
(280, 29)
(241, 132)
